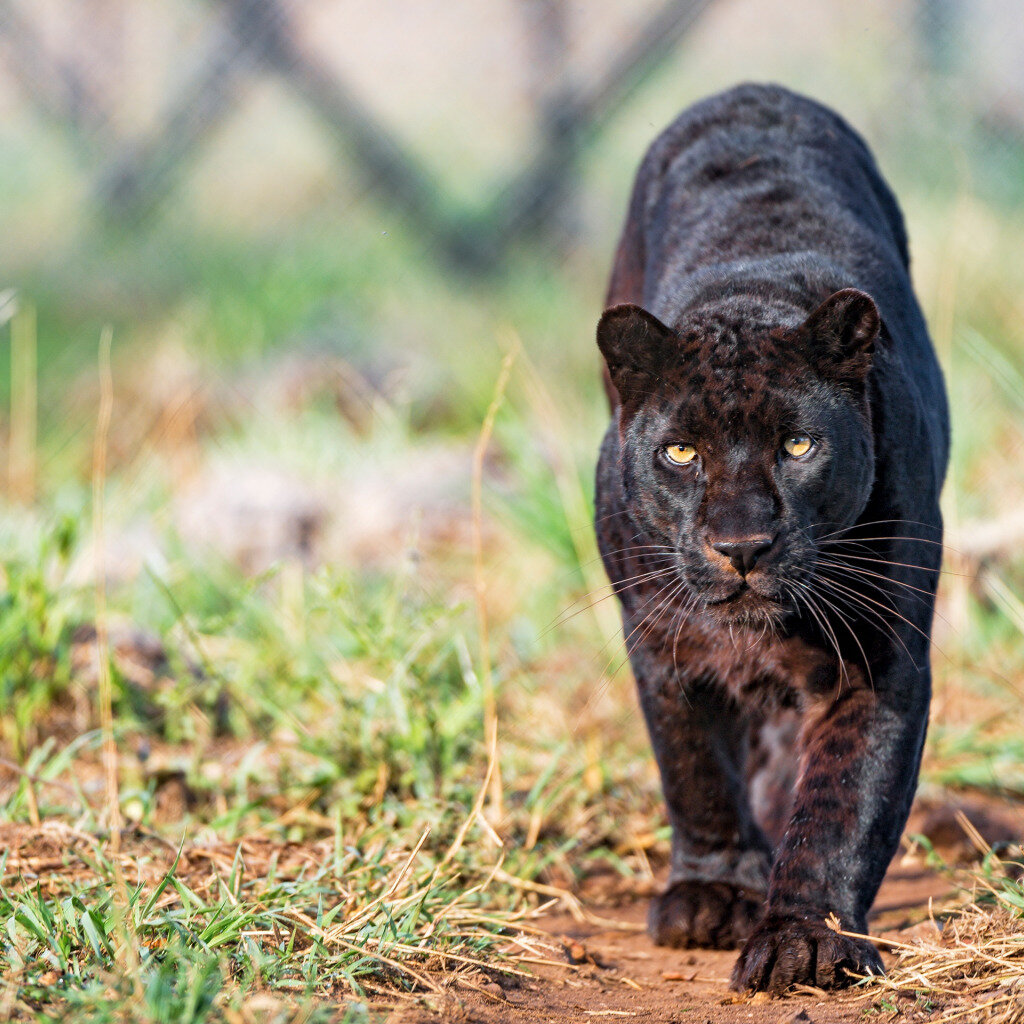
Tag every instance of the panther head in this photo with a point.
(745, 435)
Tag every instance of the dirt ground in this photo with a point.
(605, 968)
(613, 972)
(623, 976)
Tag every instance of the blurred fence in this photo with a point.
(132, 173)
(220, 178)
(73, 66)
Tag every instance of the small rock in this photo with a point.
(928, 931)
(799, 1017)
(576, 952)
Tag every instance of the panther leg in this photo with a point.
(720, 858)
(772, 770)
(858, 768)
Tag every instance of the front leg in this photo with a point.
(859, 763)
(720, 859)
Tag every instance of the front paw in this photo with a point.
(785, 951)
(711, 914)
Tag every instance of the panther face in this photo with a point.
(745, 436)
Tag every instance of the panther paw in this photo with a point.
(785, 951)
(717, 915)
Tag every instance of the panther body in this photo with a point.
(768, 513)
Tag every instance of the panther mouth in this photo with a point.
(745, 604)
(742, 591)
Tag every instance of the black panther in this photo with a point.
(768, 514)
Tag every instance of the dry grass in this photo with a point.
(971, 969)
(303, 692)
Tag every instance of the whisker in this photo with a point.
(654, 549)
(624, 584)
(568, 614)
(838, 590)
(760, 636)
(683, 614)
(845, 544)
(835, 640)
(853, 633)
(851, 584)
(876, 620)
(909, 565)
(826, 630)
(607, 670)
(890, 607)
(666, 548)
(856, 572)
(649, 626)
(863, 575)
(667, 587)
(661, 590)
(862, 540)
(881, 522)
(662, 608)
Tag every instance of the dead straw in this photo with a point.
(972, 970)
(23, 459)
(490, 703)
(99, 481)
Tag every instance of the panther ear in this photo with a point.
(843, 331)
(636, 346)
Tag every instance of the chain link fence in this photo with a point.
(473, 121)
(341, 174)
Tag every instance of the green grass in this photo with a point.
(356, 737)
(338, 713)
(297, 778)
(340, 710)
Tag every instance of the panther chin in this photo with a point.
(746, 606)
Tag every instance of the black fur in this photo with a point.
(777, 608)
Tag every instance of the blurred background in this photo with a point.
(263, 200)
(310, 232)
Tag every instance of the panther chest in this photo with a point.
(757, 669)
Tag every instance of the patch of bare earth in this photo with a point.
(607, 969)
(599, 965)
(613, 972)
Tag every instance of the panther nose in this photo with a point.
(743, 553)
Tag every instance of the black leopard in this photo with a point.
(768, 513)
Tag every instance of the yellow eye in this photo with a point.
(680, 454)
(798, 445)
